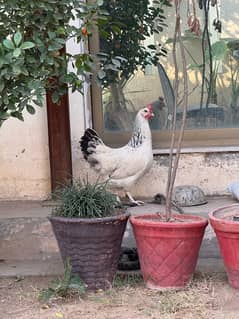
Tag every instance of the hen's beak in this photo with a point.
(151, 115)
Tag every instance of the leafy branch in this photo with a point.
(33, 35)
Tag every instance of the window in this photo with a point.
(212, 121)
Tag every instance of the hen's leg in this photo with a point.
(133, 201)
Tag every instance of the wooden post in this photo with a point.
(59, 141)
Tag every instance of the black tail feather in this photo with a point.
(90, 136)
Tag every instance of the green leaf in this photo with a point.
(38, 102)
(51, 34)
(219, 50)
(55, 46)
(4, 116)
(152, 47)
(60, 40)
(18, 115)
(30, 109)
(8, 44)
(167, 89)
(104, 34)
(116, 29)
(27, 45)
(1, 86)
(2, 61)
(101, 74)
(5, 100)
(55, 97)
(16, 69)
(17, 52)
(17, 38)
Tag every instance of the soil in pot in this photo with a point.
(225, 222)
(168, 251)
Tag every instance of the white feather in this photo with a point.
(124, 165)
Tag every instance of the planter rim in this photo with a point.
(76, 220)
(223, 224)
(221, 209)
(190, 221)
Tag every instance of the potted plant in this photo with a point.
(224, 221)
(89, 231)
(168, 244)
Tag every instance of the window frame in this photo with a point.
(193, 138)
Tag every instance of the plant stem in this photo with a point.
(211, 79)
(173, 165)
(169, 188)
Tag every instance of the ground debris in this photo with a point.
(207, 297)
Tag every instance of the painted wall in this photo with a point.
(24, 159)
(212, 172)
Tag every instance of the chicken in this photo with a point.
(123, 166)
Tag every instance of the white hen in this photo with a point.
(125, 165)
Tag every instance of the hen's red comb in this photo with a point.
(150, 107)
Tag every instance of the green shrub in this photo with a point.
(85, 200)
(33, 35)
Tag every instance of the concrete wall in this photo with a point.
(213, 172)
(24, 159)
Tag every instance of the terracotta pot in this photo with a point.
(225, 222)
(92, 245)
(168, 251)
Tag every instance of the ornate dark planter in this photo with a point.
(92, 246)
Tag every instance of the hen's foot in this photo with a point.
(134, 202)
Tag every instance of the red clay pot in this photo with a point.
(227, 232)
(168, 251)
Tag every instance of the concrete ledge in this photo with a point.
(54, 267)
(22, 268)
(28, 245)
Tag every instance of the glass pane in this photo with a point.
(213, 98)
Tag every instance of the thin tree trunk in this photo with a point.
(116, 113)
(174, 164)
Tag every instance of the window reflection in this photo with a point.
(216, 106)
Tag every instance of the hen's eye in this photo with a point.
(145, 111)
